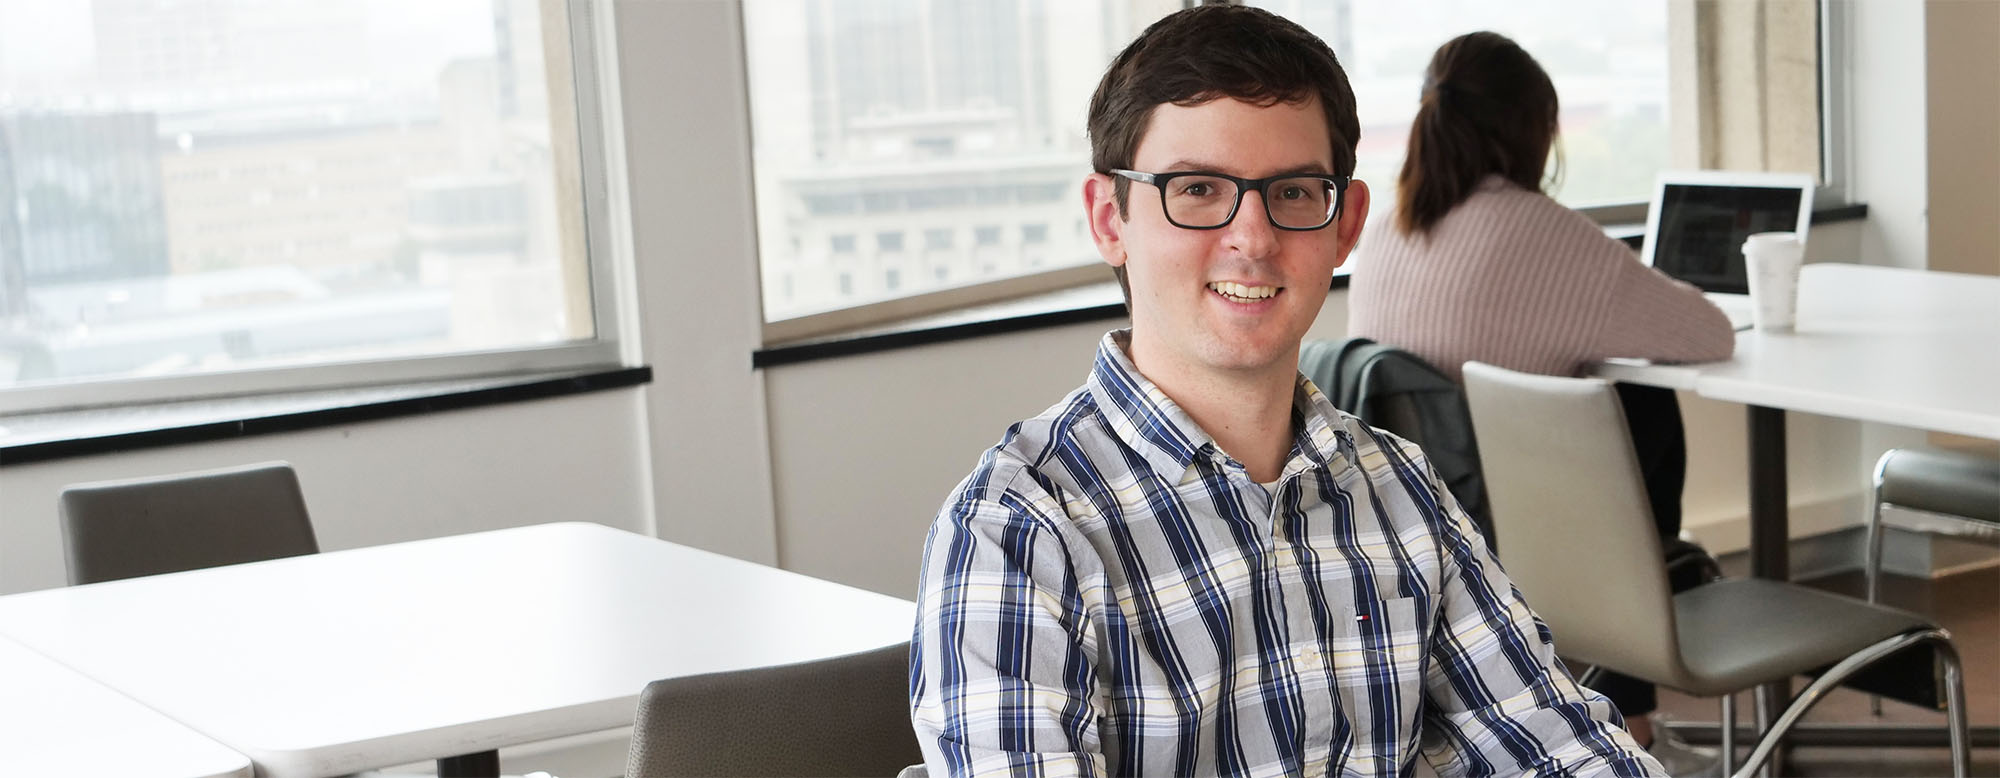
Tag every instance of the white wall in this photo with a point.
(686, 133)
(866, 447)
(1887, 162)
(581, 457)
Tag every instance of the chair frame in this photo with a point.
(1871, 569)
(1769, 740)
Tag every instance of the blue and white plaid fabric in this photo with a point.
(1110, 594)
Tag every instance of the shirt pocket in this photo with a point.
(1378, 669)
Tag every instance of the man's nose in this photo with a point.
(1251, 231)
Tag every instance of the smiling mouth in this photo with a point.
(1238, 293)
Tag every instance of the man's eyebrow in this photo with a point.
(1197, 166)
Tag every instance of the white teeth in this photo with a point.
(1241, 292)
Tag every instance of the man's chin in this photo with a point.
(1251, 358)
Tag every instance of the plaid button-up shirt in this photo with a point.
(1110, 594)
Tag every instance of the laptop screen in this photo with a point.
(1701, 228)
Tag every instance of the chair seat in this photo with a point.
(1939, 481)
(1739, 633)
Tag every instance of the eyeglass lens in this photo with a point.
(1205, 201)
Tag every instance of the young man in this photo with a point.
(1194, 565)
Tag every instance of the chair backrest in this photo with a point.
(848, 715)
(1576, 529)
(1392, 389)
(165, 524)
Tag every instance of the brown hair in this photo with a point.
(1488, 108)
(1207, 52)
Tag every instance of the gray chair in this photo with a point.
(1961, 489)
(848, 715)
(165, 524)
(1571, 513)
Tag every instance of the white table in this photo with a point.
(1911, 348)
(344, 661)
(56, 722)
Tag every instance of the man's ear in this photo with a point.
(1353, 214)
(1107, 226)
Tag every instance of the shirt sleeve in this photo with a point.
(1003, 681)
(1655, 317)
(1497, 700)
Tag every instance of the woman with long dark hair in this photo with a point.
(1480, 264)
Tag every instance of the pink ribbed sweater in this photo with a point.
(1512, 278)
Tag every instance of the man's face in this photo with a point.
(1238, 298)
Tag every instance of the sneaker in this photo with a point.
(1682, 759)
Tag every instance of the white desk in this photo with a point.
(55, 722)
(338, 662)
(1906, 347)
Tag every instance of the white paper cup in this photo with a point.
(1772, 261)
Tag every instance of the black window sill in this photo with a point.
(1096, 302)
(41, 437)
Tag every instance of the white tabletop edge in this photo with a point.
(601, 716)
(1638, 371)
(1741, 391)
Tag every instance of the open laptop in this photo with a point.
(1698, 220)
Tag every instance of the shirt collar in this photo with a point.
(1141, 415)
(1154, 426)
(1321, 439)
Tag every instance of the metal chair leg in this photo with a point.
(1871, 568)
(1767, 742)
(1763, 705)
(1954, 708)
(1728, 733)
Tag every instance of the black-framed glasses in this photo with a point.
(1198, 200)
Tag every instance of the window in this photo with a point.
(928, 116)
(1609, 68)
(936, 114)
(243, 188)
(937, 239)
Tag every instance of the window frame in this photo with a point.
(605, 241)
